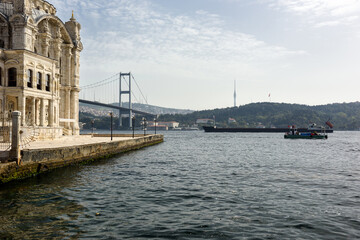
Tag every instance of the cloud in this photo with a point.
(321, 13)
(138, 30)
(342, 21)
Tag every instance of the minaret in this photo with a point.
(234, 93)
(73, 27)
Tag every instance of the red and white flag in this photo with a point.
(329, 124)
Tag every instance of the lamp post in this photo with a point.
(111, 125)
(155, 120)
(144, 124)
(92, 127)
(133, 125)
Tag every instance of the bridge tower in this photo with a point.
(124, 76)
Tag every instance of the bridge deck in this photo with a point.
(115, 107)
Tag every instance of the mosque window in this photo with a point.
(30, 78)
(38, 82)
(12, 77)
(48, 82)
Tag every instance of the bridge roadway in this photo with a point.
(115, 107)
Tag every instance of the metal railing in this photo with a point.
(5, 131)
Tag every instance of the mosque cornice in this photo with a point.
(25, 51)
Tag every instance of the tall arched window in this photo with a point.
(38, 80)
(1, 77)
(47, 82)
(12, 74)
(30, 78)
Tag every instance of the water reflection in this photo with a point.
(38, 207)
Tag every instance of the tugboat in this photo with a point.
(293, 133)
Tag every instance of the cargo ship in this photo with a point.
(262, 130)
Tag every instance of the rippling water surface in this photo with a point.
(197, 185)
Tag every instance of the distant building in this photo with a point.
(260, 125)
(167, 125)
(231, 120)
(205, 121)
(158, 127)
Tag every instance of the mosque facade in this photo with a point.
(39, 67)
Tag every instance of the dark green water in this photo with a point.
(197, 185)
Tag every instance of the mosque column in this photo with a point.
(51, 113)
(33, 111)
(67, 107)
(74, 111)
(36, 123)
(56, 112)
(68, 73)
(45, 37)
(22, 108)
(57, 50)
(42, 112)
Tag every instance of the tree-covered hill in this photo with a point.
(344, 116)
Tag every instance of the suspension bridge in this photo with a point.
(112, 90)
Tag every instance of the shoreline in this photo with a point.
(43, 156)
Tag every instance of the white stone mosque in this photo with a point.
(39, 67)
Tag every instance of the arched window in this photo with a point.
(47, 82)
(38, 80)
(30, 78)
(12, 74)
(1, 76)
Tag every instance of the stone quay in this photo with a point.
(43, 156)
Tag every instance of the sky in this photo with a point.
(188, 53)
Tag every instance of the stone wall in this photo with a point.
(36, 161)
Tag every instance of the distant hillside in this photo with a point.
(101, 111)
(344, 116)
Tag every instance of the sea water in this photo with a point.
(197, 185)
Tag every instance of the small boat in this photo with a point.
(293, 133)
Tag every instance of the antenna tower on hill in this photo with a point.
(234, 93)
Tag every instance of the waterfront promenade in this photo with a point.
(42, 156)
(68, 141)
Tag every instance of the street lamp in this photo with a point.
(144, 124)
(92, 127)
(155, 120)
(111, 125)
(133, 125)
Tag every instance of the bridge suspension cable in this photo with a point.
(132, 92)
(106, 90)
(139, 88)
(100, 83)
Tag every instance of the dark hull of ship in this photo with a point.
(261, 130)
